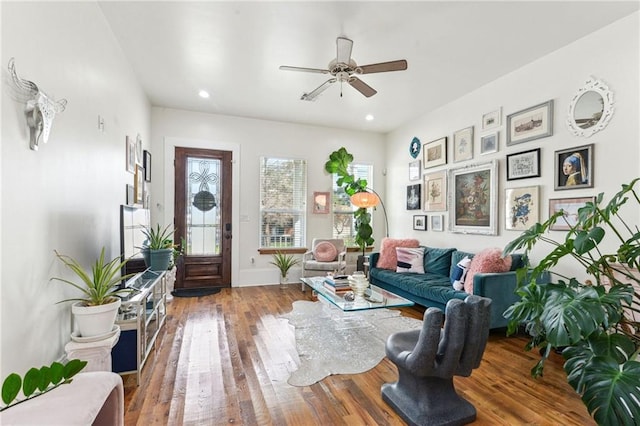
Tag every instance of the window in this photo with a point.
(283, 194)
(343, 223)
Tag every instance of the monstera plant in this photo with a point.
(594, 321)
(338, 163)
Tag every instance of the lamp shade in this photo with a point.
(365, 199)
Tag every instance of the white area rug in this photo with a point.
(331, 341)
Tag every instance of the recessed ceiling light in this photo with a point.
(369, 117)
(203, 94)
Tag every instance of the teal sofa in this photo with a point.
(434, 289)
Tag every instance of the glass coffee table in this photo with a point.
(374, 297)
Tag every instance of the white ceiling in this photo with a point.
(233, 51)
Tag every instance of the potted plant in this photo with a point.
(594, 321)
(96, 311)
(158, 250)
(284, 262)
(338, 163)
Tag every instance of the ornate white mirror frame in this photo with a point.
(591, 108)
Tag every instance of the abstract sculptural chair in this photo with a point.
(427, 360)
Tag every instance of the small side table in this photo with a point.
(97, 354)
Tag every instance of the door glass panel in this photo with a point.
(203, 182)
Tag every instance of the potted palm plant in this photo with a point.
(95, 312)
(594, 322)
(158, 250)
(284, 262)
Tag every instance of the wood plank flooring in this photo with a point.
(225, 359)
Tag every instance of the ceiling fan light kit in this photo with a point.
(343, 68)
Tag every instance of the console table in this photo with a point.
(141, 318)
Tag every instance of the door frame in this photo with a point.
(166, 207)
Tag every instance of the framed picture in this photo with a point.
(413, 196)
(414, 170)
(130, 195)
(138, 184)
(489, 143)
(437, 222)
(435, 191)
(146, 163)
(569, 207)
(521, 207)
(321, 202)
(474, 199)
(130, 148)
(414, 147)
(463, 144)
(420, 222)
(574, 168)
(492, 119)
(139, 149)
(532, 123)
(523, 165)
(434, 153)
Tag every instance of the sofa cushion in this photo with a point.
(456, 257)
(410, 259)
(388, 257)
(429, 286)
(438, 260)
(325, 252)
(488, 260)
(460, 272)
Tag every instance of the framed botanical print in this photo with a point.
(435, 191)
(463, 144)
(437, 222)
(489, 143)
(434, 153)
(574, 168)
(413, 196)
(474, 199)
(531, 123)
(420, 222)
(523, 165)
(569, 208)
(521, 207)
(414, 170)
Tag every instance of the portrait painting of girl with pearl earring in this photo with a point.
(574, 168)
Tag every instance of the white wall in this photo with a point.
(251, 140)
(65, 196)
(611, 54)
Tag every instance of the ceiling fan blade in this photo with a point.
(400, 65)
(344, 46)
(316, 70)
(311, 96)
(362, 87)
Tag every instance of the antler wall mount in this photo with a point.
(40, 109)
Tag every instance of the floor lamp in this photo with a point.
(366, 199)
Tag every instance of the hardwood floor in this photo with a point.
(226, 358)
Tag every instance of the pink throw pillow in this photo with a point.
(488, 260)
(325, 252)
(388, 258)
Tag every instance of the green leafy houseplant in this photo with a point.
(159, 238)
(159, 251)
(284, 262)
(38, 381)
(338, 163)
(100, 286)
(595, 325)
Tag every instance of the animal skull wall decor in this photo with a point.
(40, 109)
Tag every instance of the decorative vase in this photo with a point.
(358, 283)
(95, 320)
(284, 281)
(157, 260)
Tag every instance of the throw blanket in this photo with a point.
(331, 341)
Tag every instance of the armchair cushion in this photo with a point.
(325, 252)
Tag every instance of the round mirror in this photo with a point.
(590, 109)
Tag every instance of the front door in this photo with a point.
(203, 217)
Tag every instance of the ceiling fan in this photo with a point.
(343, 68)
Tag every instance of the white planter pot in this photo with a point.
(95, 320)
